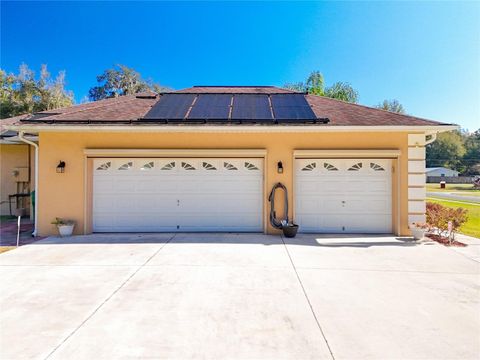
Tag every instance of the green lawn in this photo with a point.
(472, 226)
(460, 189)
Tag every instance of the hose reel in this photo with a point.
(289, 228)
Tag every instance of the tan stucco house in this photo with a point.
(206, 158)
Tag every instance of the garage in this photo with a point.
(177, 194)
(343, 195)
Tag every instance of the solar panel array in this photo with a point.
(236, 108)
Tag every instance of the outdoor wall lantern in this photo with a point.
(61, 167)
(280, 167)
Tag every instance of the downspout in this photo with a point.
(21, 137)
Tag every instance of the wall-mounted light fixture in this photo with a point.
(280, 167)
(61, 167)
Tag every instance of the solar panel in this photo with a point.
(211, 106)
(251, 107)
(291, 107)
(170, 106)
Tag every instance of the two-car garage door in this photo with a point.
(177, 194)
(344, 195)
(227, 194)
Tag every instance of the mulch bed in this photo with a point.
(444, 241)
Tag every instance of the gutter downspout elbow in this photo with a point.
(432, 139)
(21, 137)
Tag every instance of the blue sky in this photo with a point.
(425, 54)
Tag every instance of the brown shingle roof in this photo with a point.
(123, 108)
(9, 121)
(133, 107)
(342, 113)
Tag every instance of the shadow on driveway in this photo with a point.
(317, 240)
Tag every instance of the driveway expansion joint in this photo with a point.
(109, 297)
(308, 300)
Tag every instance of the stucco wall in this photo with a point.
(63, 195)
(11, 157)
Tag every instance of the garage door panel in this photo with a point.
(327, 186)
(218, 203)
(103, 203)
(132, 204)
(147, 186)
(374, 207)
(304, 185)
(308, 222)
(330, 204)
(228, 223)
(331, 222)
(104, 185)
(368, 223)
(307, 204)
(342, 195)
(124, 185)
(145, 219)
(178, 195)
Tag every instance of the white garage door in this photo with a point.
(150, 195)
(344, 196)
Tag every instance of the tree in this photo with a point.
(391, 105)
(300, 87)
(342, 91)
(447, 151)
(471, 159)
(121, 80)
(23, 93)
(315, 84)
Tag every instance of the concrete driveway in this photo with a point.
(238, 296)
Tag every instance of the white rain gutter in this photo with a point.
(21, 138)
(428, 129)
(432, 139)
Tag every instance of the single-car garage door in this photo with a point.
(178, 194)
(344, 196)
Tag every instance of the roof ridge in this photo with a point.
(374, 108)
(237, 86)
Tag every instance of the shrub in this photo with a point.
(60, 222)
(438, 217)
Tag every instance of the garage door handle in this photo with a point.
(178, 202)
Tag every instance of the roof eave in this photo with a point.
(37, 128)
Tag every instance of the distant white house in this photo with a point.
(441, 171)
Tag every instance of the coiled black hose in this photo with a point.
(273, 219)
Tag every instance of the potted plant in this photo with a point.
(64, 226)
(418, 230)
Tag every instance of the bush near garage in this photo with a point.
(438, 217)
